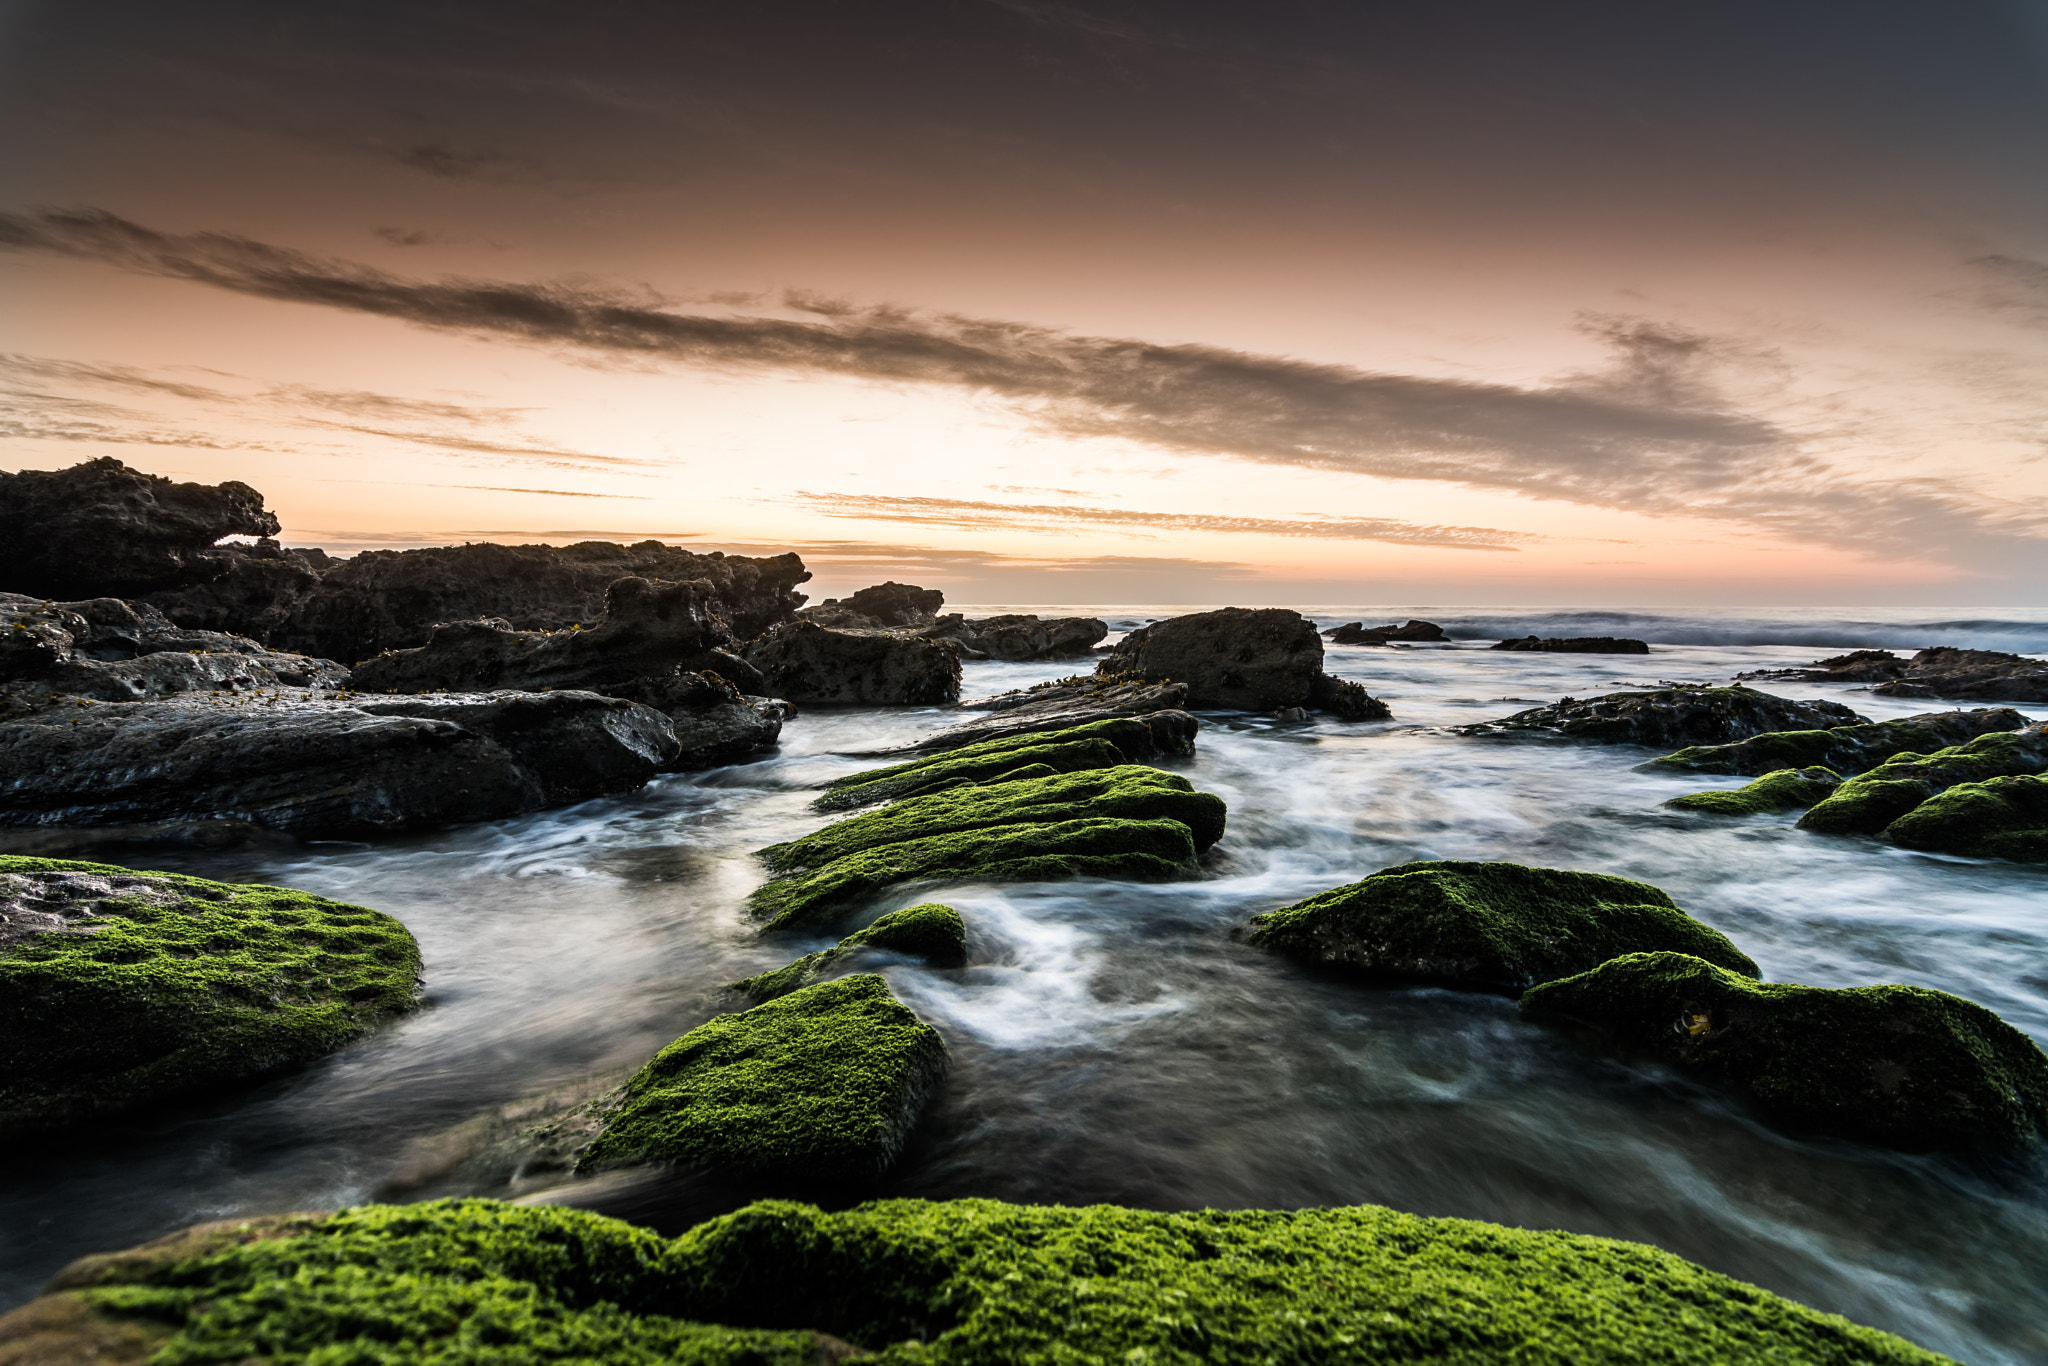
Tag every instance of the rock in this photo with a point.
(1485, 926)
(823, 1084)
(1785, 790)
(930, 931)
(1577, 645)
(881, 606)
(1668, 717)
(1096, 744)
(1970, 675)
(1858, 666)
(714, 722)
(1998, 818)
(1019, 637)
(1845, 749)
(1358, 633)
(1361, 1283)
(121, 989)
(1897, 1066)
(1065, 703)
(1867, 803)
(1250, 659)
(101, 529)
(322, 767)
(1346, 700)
(257, 595)
(816, 666)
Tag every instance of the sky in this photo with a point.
(1582, 304)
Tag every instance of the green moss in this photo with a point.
(1865, 805)
(1132, 791)
(181, 985)
(1098, 744)
(1999, 818)
(1780, 791)
(1487, 926)
(970, 1281)
(930, 931)
(1845, 749)
(1156, 850)
(823, 1083)
(1904, 1067)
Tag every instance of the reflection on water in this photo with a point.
(1113, 1042)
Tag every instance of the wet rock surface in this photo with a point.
(930, 931)
(1668, 717)
(1845, 749)
(1015, 638)
(1248, 659)
(1941, 672)
(113, 651)
(1095, 744)
(1062, 704)
(1787, 789)
(880, 607)
(1576, 645)
(1869, 802)
(816, 665)
(2005, 817)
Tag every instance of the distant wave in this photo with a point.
(1985, 633)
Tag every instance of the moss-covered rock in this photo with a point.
(1902, 1067)
(1132, 791)
(1485, 926)
(822, 1084)
(1867, 803)
(1099, 744)
(1683, 715)
(1785, 790)
(959, 1281)
(929, 931)
(1845, 749)
(120, 988)
(1998, 818)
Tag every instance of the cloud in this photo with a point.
(362, 403)
(548, 455)
(981, 516)
(113, 376)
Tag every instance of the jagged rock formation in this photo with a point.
(1944, 672)
(880, 607)
(1017, 637)
(815, 665)
(1250, 659)
(1358, 633)
(1576, 645)
(1060, 705)
(1669, 717)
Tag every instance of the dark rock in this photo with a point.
(1858, 666)
(1485, 926)
(1577, 645)
(102, 529)
(1784, 790)
(1669, 717)
(932, 932)
(882, 606)
(1358, 633)
(1250, 659)
(1346, 700)
(1998, 818)
(320, 767)
(715, 723)
(1898, 1066)
(257, 595)
(119, 989)
(814, 665)
(1970, 675)
(1869, 802)
(1845, 749)
(1016, 638)
(1096, 744)
(1062, 704)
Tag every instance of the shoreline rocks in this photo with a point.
(1095, 744)
(1576, 645)
(1063, 704)
(1786, 789)
(1667, 717)
(1869, 802)
(880, 607)
(1845, 749)
(929, 931)
(815, 665)
(1358, 633)
(1245, 659)
(1016, 638)
(1940, 672)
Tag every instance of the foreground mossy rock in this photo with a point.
(1785, 790)
(1845, 749)
(823, 1084)
(911, 1281)
(1485, 926)
(1671, 716)
(119, 988)
(929, 931)
(1867, 803)
(1097, 744)
(1902, 1067)
(1998, 818)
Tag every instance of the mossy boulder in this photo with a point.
(1138, 850)
(911, 1281)
(1098, 744)
(1998, 818)
(120, 988)
(1127, 790)
(1785, 790)
(1897, 1066)
(1485, 926)
(929, 931)
(1867, 803)
(1672, 716)
(820, 1085)
(1844, 749)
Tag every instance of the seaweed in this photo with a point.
(2003, 817)
(929, 931)
(1095, 744)
(1844, 749)
(1866, 804)
(1783, 790)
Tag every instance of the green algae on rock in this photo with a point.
(1866, 804)
(778, 1283)
(929, 931)
(1485, 926)
(119, 988)
(1998, 818)
(1897, 1066)
(1784, 790)
(822, 1084)
(1686, 714)
(1098, 744)
(1845, 749)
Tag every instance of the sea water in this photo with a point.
(1115, 1042)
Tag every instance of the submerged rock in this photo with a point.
(929, 931)
(943, 1282)
(1845, 749)
(1867, 803)
(822, 1084)
(1897, 1066)
(1672, 716)
(1785, 790)
(1358, 633)
(881, 606)
(1063, 704)
(810, 664)
(1997, 818)
(1485, 926)
(1576, 645)
(1249, 659)
(1019, 637)
(1971, 675)
(1097, 744)
(1858, 666)
(120, 989)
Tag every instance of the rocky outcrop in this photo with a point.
(1669, 717)
(121, 989)
(1998, 818)
(1785, 790)
(1016, 638)
(1858, 666)
(1097, 744)
(1845, 749)
(1248, 659)
(1898, 1066)
(1943, 672)
(101, 529)
(1485, 926)
(818, 666)
(1868, 803)
(320, 766)
(930, 931)
(1358, 633)
(1063, 704)
(257, 595)
(1576, 645)
(714, 722)
(881, 607)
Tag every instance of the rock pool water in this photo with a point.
(1114, 1043)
